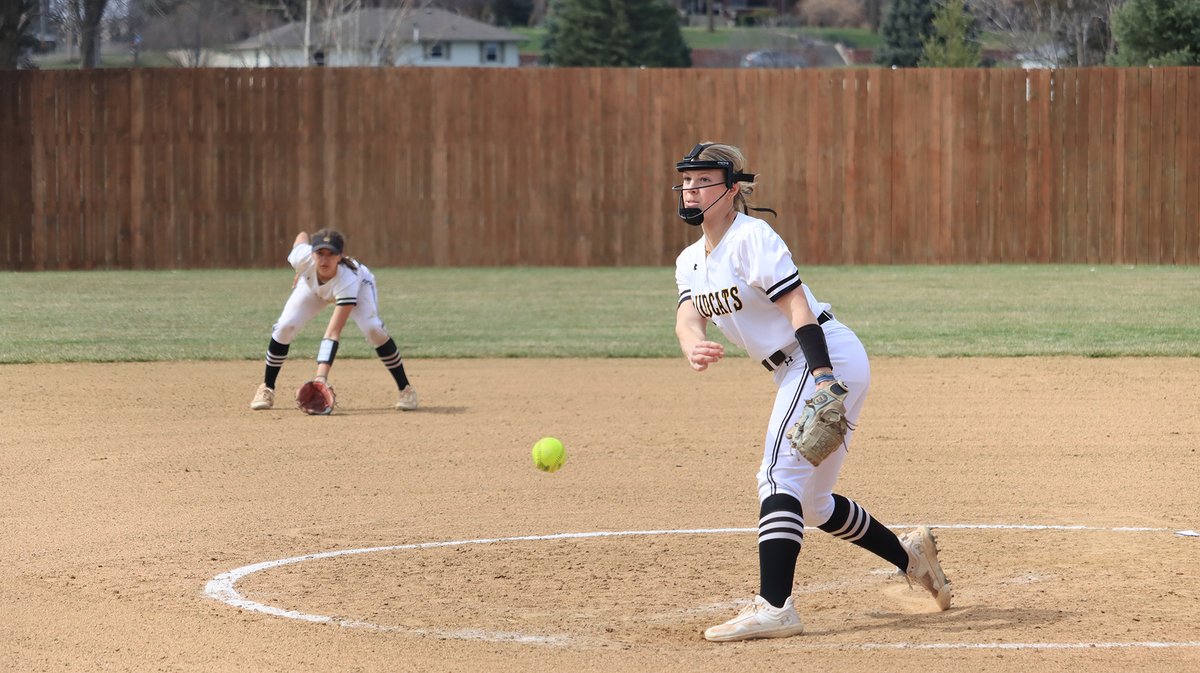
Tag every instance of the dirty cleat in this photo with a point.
(759, 619)
(408, 399)
(923, 566)
(264, 398)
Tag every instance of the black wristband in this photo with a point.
(816, 350)
(327, 351)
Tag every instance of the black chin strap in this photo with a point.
(695, 216)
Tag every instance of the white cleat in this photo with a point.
(408, 399)
(759, 619)
(923, 566)
(264, 398)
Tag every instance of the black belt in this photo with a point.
(780, 356)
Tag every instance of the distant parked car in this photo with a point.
(770, 58)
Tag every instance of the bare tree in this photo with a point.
(80, 21)
(189, 29)
(538, 15)
(1090, 31)
(480, 10)
(90, 33)
(67, 15)
(1059, 33)
(873, 12)
(361, 32)
(342, 31)
(1021, 25)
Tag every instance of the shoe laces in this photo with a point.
(748, 609)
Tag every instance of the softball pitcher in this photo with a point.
(740, 276)
(325, 276)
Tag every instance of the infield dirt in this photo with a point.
(127, 487)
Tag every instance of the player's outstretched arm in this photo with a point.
(328, 348)
(691, 330)
(301, 239)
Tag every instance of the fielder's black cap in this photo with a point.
(328, 239)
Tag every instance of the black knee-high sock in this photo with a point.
(780, 535)
(276, 354)
(389, 354)
(852, 523)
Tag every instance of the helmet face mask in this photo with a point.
(695, 216)
(693, 162)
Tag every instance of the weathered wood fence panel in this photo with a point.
(467, 167)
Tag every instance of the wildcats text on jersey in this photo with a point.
(722, 302)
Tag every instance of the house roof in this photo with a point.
(368, 27)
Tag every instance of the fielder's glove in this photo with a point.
(822, 424)
(316, 398)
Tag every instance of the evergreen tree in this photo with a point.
(1158, 32)
(905, 25)
(614, 33)
(955, 39)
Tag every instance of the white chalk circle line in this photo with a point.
(223, 587)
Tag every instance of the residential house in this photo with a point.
(378, 37)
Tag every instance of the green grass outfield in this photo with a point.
(114, 316)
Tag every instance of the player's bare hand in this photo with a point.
(705, 353)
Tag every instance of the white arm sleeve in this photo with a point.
(299, 255)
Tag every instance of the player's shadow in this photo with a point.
(439, 410)
(388, 410)
(977, 619)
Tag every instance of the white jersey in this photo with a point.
(735, 286)
(342, 289)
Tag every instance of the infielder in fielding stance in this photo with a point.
(325, 276)
(740, 276)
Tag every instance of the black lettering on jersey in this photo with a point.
(722, 302)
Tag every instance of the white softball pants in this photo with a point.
(303, 305)
(782, 471)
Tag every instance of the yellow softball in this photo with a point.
(548, 454)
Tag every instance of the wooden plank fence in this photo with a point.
(204, 168)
